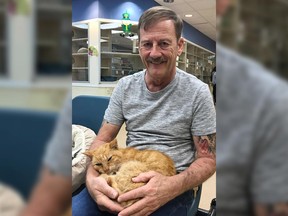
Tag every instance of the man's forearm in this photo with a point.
(198, 172)
(202, 168)
(97, 142)
(107, 133)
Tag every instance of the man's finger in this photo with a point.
(144, 177)
(114, 207)
(106, 189)
(133, 194)
(134, 209)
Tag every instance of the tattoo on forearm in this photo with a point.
(209, 142)
(212, 143)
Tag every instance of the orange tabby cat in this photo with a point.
(118, 166)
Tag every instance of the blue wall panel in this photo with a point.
(113, 9)
(84, 10)
(198, 38)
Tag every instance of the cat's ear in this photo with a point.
(88, 153)
(113, 144)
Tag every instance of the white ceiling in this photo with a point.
(203, 11)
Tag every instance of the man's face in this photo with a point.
(159, 48)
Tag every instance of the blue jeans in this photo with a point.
(84, 205)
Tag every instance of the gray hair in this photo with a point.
(160, 13)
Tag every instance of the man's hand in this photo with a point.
(101, 192)
(153, 195)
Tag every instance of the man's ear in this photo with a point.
(113, 144)
(181, 43)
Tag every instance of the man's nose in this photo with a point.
(155, 51)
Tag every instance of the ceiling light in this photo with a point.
(188, 15)
(168, 1)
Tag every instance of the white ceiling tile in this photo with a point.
(198, 21)
(182, 7)
(207, 11)
(203, 11)
(202, 4)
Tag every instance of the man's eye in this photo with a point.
(147, 45)
(109, 158)
(164, 45)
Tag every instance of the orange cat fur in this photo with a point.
(119, 165)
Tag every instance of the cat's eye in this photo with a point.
(98, 164)
(109, 158)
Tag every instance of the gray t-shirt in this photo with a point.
(251, 135)
(165, 120)
(58, 153)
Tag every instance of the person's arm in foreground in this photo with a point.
(51, 196)
(161, 189)
(98, 188)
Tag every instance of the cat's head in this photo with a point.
(106, 158)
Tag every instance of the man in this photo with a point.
(165, 109)
(252, 136)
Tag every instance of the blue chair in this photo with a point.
(89, 111)
(24, 135)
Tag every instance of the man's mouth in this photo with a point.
(156, 61)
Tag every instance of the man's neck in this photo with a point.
(155, 85)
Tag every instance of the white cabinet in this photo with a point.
(80, 53)
(115, 56)
(197, 61)
(119, 54)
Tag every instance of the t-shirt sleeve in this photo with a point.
(114, 112)
(58, 152)
(270, 167)
(204, 113)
